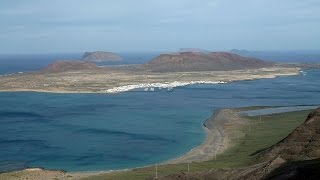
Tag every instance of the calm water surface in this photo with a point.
(90, 132)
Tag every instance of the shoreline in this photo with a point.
(128, 88)
(217, 137)
(214, 129)
(103, 83)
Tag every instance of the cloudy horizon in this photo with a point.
(149, 25)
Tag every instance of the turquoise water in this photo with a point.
(91, 132)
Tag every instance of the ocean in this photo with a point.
(13, 63)
(93, 132)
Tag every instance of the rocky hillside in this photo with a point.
(61, 66)
(296, 156)
(302, 144)
(100, 56)
(201, 61)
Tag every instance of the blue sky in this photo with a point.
(33, 26)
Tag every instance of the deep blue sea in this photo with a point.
(92, 132)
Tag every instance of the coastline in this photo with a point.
(217, 137)
(118, 82)
(216, 142)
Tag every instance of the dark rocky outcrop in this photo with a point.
(62, 66)
(201, 61)
(309, 169)
(101, 56)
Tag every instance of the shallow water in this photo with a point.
(91, 132)
(276, 110)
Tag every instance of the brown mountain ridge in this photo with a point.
(202, 61)
(175, 62)
(65, 65)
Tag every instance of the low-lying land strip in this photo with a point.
(111, 80)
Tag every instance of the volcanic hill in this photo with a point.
(62, 66)
(201, 61)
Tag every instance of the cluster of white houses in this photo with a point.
(151, 86)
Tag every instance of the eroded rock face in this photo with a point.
(62, 66)
(101, 56)
(201, 61)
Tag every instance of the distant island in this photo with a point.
(239, 51)
(168, 70)
(101, 56)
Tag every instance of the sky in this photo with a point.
(50, 26)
